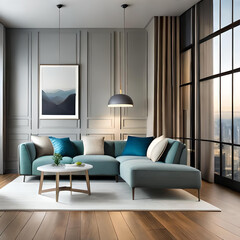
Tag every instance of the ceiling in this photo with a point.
(87, 13)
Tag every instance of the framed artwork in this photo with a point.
(59, 92)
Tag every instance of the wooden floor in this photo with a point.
(128, 225)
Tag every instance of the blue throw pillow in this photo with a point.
(63, 146)
(137, 146)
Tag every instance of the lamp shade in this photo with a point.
(120, 100)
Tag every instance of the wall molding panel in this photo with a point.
(133, 123)
(101, 123)
(100, 74)
(98, 53)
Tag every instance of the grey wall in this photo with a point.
(150, 34)
(98, 51)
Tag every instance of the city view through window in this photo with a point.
(220, 58)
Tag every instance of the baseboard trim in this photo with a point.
(6, 171)
(234, 185)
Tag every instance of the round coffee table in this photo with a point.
(62, 170)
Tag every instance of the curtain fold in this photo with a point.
(166, 76)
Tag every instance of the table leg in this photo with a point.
(57, 186)
(70, 178)
(41, 183)
(88, 183)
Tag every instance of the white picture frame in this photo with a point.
(58, 91)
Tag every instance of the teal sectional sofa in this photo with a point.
(170, 172)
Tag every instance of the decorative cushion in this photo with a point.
(158, 150)
(63, 146)
(137, 146)
(153, 144)
(93, 145)
(43, 145)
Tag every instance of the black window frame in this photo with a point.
(184, 49)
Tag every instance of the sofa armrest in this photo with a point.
(183, 158)
(27, 153)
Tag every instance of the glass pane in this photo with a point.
(236, 107)
(185, 111)
(186, 69)
(226, 51)
(237, 164)
(216, 108)
(207, 159)
(226, 12)
(208, 17)
(236, 10)
(227, 161)
(216, 11)
(209, 57)
(217, 157)
(186, 28)
(226, 108)
(236, 61)
(209, 107)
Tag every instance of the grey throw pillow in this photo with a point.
(43, 145)
(93, 145)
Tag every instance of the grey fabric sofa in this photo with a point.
(170, 172)
(146, 174)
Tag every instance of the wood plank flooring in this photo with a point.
(70, 225)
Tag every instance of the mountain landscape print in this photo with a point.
(59, 102)
(59, 91)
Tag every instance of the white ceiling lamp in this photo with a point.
(121, 100)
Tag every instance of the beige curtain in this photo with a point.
(207, 112)
(166, 77)
(207, 129)
(207, 92)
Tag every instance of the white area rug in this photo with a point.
(106, 195)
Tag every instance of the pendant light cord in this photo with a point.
(123, 50)
(59, 39)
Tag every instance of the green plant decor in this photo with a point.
(57, 158)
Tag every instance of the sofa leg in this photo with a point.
(116, 178)
(199, 195)
(133, 190)
(23, 178)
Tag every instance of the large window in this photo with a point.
(187, 84)
(219, 79)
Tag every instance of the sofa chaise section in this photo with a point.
(169, 172)
(148, 174)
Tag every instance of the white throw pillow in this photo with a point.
(153, 144)
(158, 150)
(93, 145)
